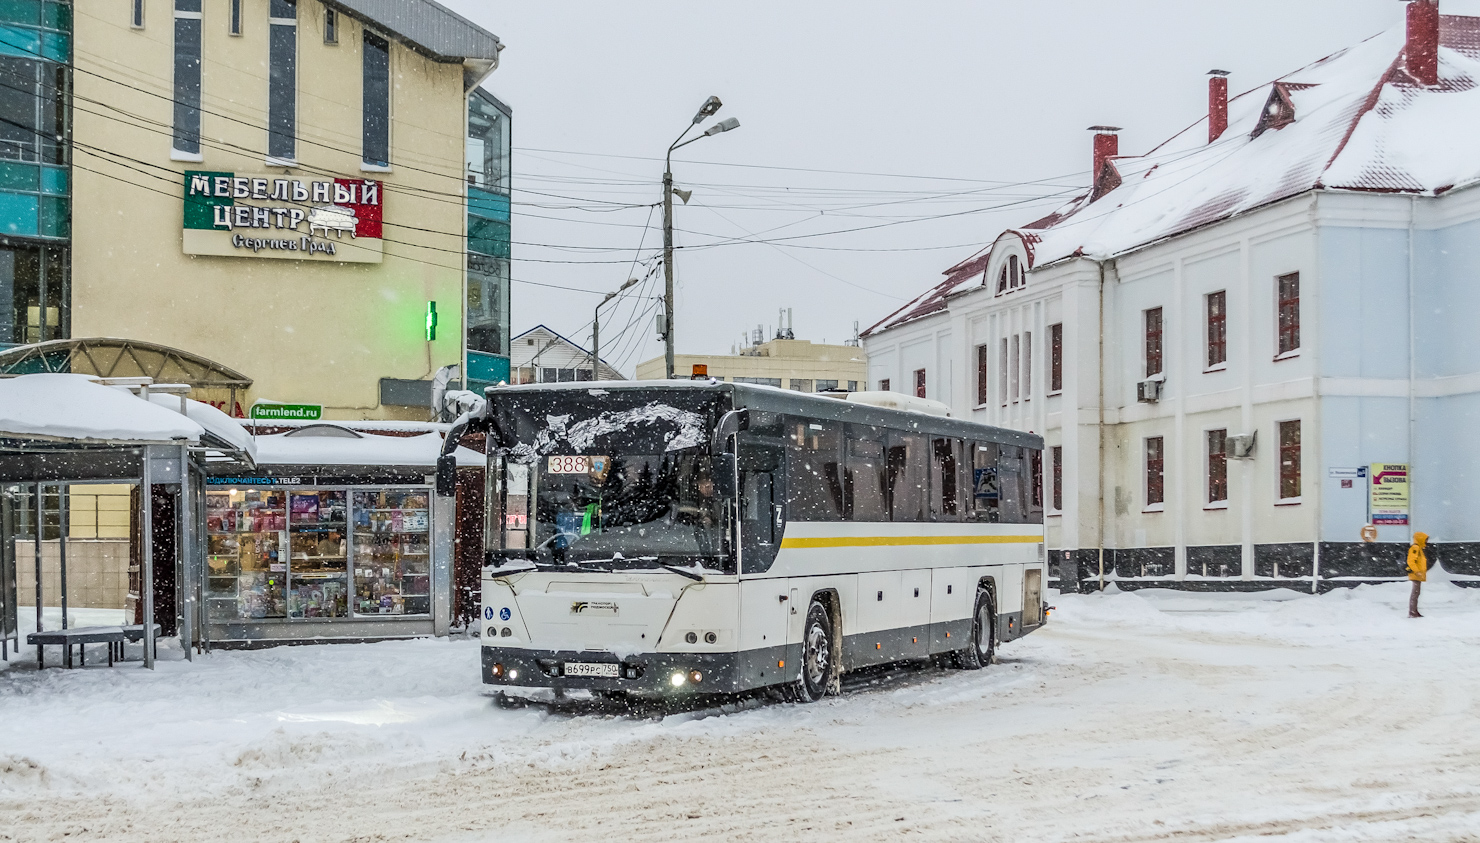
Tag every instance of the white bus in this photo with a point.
(694, 537)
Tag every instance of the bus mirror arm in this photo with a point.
(729, 424)
(446, 476)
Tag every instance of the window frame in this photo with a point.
(188, 94)
(136, 15)
(234, 19)
(884, 385)
(1282, 450)
(368, 40)
(1056, 491)
(1287, 317)
(331, 27)
(282, 89)
(1217, 468)
(1056, 358)
(1014, 373)
(1215, 331)
(920, 383)
(1154, 460)
(1153, 346)
(983, 365)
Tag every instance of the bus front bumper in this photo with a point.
(643, 674)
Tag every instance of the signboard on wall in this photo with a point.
(265, 216)
(1389, 494)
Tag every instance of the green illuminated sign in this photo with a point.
(289, 412)
(431, 321)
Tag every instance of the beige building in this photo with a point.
(801, 365)
(275, 186)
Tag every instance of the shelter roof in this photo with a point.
(303, 447)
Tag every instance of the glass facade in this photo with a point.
(35, 180)
(318, 553)
(487, 171)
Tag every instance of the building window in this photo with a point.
(1155, 472)
(377, 110)
(852, 386)
(282, 80)
(488, 144)
(187, 77)
(136, 15)
(331, 26)
(1153, 341)
(981, 374)
(826, 385)
(919, 383)
(884, 385)
(234, 26)
(1014, 367)
(801, 384)
(1217, 328)
(1011, 276)
(1217, 466)
(1027, 365)
(1057, 453)
(1289, 316)
(1035, 472)
(1056, 358)
(1002, 361)
(1289, 460)
(34, 294)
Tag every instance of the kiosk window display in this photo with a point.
(318, 553)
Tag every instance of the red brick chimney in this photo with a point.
(1421, 53)
(1217, 104)
(1107, 146)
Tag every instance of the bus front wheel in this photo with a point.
(983, 645)
(817, 654)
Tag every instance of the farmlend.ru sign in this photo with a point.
(274, 217)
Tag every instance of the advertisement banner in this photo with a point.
(1389, 494)
(265, 216)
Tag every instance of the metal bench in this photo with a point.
(113, 636)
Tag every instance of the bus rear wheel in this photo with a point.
(817, 656)
(983, 646)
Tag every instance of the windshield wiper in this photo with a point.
(683, 572)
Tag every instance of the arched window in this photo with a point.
(1011, 276)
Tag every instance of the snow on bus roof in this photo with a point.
(1361, 123)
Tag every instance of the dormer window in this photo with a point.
(1011, 276)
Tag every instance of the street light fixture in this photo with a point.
(596, 329)
(708, 109)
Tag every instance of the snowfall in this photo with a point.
(1152, 715)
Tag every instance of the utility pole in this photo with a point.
(668, 263)
(596, 330)
(708, 109)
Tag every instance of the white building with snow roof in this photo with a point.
(1222, 331)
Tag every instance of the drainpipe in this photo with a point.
(1412, 367)
(1100, 533)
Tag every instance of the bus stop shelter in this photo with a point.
(62, 429)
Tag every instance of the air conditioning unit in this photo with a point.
(1239, 447)
(1149, 392)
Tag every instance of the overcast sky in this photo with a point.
(948, 122)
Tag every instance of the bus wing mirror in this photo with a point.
(446, 476)
(726, 476)
(729, 424)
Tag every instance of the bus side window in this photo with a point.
(814, 479)
(943, 476)
(864, 477)
(907, 468)
(986, 495)
(1012, 479)
(1035, 487)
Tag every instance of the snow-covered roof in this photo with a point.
(1361, 123)
(76, 407)
(215, 423)
(304, 448)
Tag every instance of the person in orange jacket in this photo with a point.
(1418, 570)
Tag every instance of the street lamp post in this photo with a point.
(596, 329)
(710, 106)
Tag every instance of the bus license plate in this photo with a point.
(605, 670)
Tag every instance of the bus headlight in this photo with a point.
(678, 679)
(696, 677)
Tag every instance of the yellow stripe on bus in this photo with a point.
(899, 541)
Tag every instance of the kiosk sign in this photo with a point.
(292, 412)
(1389, 494)
(273, 217)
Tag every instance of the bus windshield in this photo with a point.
(608, 479)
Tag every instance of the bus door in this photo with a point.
(761, 458)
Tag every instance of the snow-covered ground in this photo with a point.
(1141, 716)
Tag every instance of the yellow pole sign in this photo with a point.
(1389, 493)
